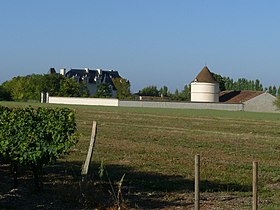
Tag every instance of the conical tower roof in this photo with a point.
(205, 76)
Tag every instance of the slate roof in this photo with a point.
(105, 76)
(234, 96)
(205, 76)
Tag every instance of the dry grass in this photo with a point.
(155, 148)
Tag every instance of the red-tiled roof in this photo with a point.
(205, 76)
(233, 96)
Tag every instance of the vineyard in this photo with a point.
(154, 149)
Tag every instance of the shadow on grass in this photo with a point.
(148, 189)
(139, 190)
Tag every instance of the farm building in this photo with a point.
(253, 101)
(204, 87)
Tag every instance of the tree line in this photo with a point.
(227, 83)
(26, 88)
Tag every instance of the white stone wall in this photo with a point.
(204, 92)
(182, 105)
(84, 101)
(261, 103)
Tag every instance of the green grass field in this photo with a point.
(155, 149)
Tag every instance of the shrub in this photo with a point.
(35, 137)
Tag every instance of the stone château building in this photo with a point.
(92, 77)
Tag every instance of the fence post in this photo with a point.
(255, 185)
(197, 182)
(42, 97)
(47, 97)
(86, 165)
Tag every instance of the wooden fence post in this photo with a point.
(197, 182)
(255, 185)
(86, 165)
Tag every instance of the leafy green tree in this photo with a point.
(25, 88)
(16, 87)
(227, 83)
(220, 80)
(185, 95)
(270, 89)
(252, 85)
(30, 87)
(175, 96)
(164, 91)
(274, 90)
(70, 88)
(123, 88)
(257, 84)
(149, 91)
(4, 94)
(103, 91)
(51, 84)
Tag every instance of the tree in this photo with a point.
(220, 80)
(227, 83)
(103, 91)
(185, 95)
(257, 84)
(16, 87)
(29, 87)
(70, 88)
(123, 88)
(4, 94)
(270, 89)
(274, 90)
(175, 96)
(164, 91)
(51, 84)
(149, 91)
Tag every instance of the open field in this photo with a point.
(155, 149)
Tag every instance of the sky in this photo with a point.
(150, 42)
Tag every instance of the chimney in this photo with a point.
(99, 71)
(62, 71)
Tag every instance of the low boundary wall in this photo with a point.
(148, 104)
(182, 105)
(84, 101)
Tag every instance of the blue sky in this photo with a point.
(150, 42)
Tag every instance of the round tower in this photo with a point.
(204, 87)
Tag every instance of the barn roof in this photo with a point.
(234, 96)
(205, 76)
